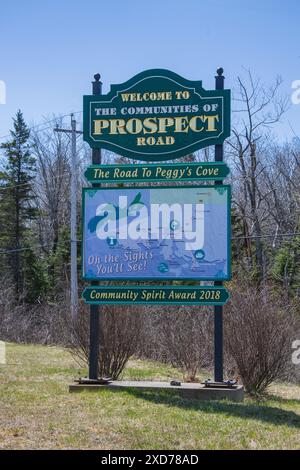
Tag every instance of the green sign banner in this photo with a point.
(179, 295)
(156, 115)
(163, 172)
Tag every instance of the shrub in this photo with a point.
(121, 328)
(258, 332)
(187, 335)
(41, 323)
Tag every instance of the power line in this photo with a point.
(43, 123)
(267, 236)
(14, 250)
(35, 180)
(13, 186)
(282, 235)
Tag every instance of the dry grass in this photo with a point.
(37, 412)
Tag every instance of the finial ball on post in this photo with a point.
(220, 71)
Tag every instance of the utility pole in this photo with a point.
(73, 201)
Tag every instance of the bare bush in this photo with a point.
(6, 294)
(187, 335)
(259, 331)
(42, 324)
(153, 345)
(121, 327)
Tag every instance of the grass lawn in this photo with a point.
(38, 412)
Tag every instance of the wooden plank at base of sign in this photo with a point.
(177, 295)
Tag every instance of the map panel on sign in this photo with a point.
(156, 233)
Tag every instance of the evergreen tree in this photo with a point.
(17, 203)
(286, 267)
(34, 274)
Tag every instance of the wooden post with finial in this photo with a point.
(218, 309)
(96, 336)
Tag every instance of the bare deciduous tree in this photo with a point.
(52, 185)
(258, 108)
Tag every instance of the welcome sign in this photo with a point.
(156, 115)
(167, 232)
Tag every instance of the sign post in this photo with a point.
(95, 314)
(218, 309)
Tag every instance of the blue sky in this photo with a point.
(51, 49)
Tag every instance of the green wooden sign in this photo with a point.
(162, 172)
(178, 295)
(156, 115)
